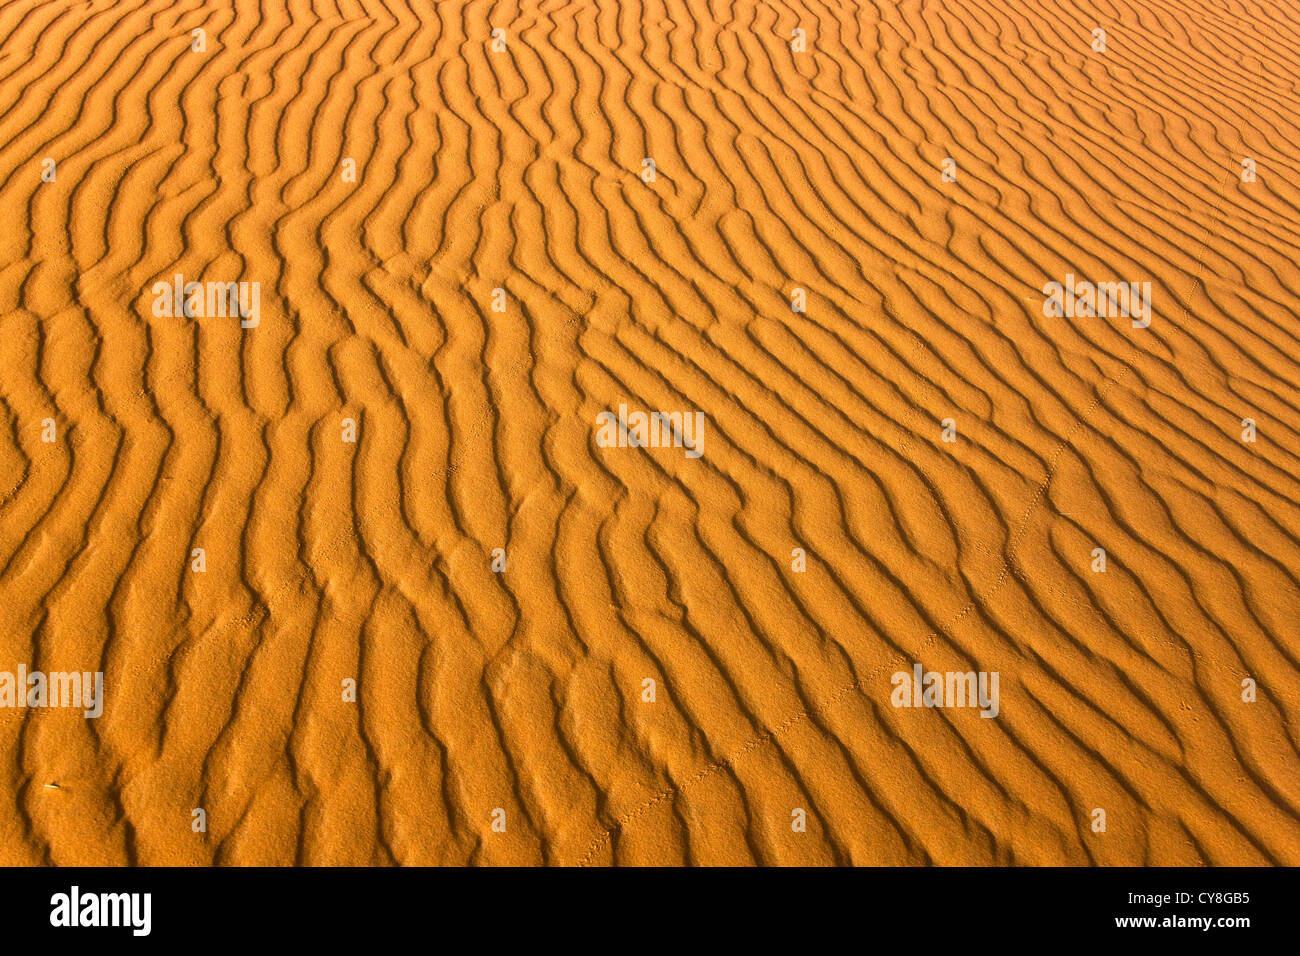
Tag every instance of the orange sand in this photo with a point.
(522, 690)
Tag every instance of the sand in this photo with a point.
(430, 644)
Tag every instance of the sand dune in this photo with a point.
(394, 473)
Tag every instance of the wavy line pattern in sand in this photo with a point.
(520, 170)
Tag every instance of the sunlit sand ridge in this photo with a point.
(574, 433)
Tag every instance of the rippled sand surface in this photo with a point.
(568, 651)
